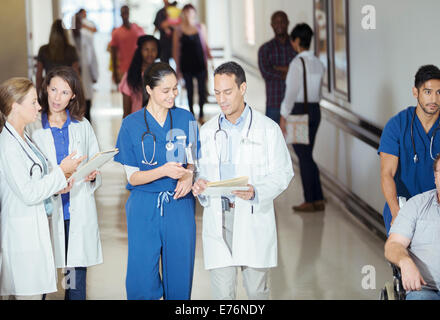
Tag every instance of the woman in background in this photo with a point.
(131, 86)
(191, 53)
(59, 52)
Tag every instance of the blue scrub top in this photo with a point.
(411, 178)
(130, 145)
(61, 141)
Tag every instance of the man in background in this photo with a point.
(123, 44)
(274, 58)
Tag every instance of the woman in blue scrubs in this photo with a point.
(153, 143)
(405, 145)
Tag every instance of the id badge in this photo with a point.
(189, 154)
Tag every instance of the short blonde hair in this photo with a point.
(12, 90)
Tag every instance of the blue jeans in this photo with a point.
(424, 294)
(309, 170)
(77, 292)
(274, 114)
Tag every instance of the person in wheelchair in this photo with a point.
(413, 244)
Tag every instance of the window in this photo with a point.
(250, 21)
(332, 45)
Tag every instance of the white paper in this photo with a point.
(103, 157)
(222, 191)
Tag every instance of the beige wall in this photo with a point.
(13, 55)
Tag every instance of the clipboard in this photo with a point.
(97, 161)
(226, 187)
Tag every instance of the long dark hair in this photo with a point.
(58, 41)
(134, 74)
(77, 105)
(153, 75)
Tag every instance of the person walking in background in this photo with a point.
(123, 44)
(131, 86)
(28, 187)
(88, 62)
(86, 23)
(274, 58)
(191, 53)
(305, 72)
(60, 130)
(165, 28)
(59, 52)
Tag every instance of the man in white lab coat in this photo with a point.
(239, 229)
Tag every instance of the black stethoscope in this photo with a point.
(35, 164)
(169, 146)
(220, 130)
(416, 157)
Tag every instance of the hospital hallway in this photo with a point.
(321, 255)
(335, 254)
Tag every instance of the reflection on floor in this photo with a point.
(326, 255)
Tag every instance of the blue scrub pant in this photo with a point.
(308, 169)
(151, 237)
(77, 291)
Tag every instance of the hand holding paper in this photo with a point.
(93, 164)
(199, 187)
(245, 194)
(91, 176)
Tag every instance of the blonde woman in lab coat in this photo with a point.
(27, 186)
(62, 129)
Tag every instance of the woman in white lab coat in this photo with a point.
(63, 129)
(27, 186)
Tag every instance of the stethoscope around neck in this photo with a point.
(416, 157)
(35, 164)
(169, 146)
(220, 130)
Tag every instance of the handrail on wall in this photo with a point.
(352, 123)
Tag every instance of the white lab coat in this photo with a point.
(84, 239)
(88, 63)
(26, 257)
(267, 163)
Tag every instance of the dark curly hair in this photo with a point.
(134, 74)
(77, 105)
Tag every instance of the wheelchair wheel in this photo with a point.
(398, 289)
(387, 293)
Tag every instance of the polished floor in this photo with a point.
(326, 255)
